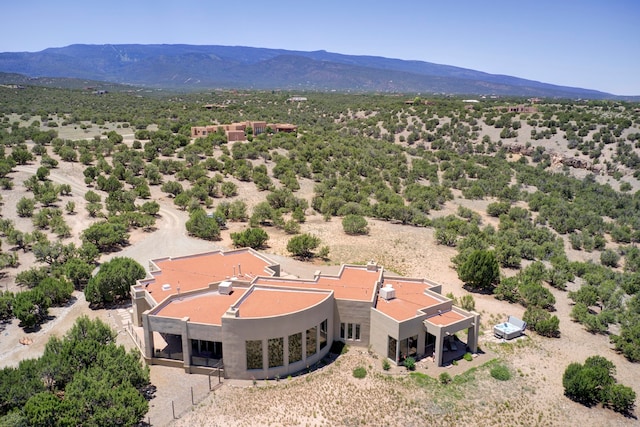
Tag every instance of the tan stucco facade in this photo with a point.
(184, 330)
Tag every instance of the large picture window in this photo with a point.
(295, 347)
(254, 354)
(276, 352)
(409, 347)
(323, 334)
(312, 338)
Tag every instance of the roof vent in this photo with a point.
(387, 292)
(225, 288)
(166, 287)
(372, 266)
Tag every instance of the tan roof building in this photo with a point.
(232, 131)
(231, 310)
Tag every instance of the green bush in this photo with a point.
(202, 226)
(501, 373)
(593, 382)
(620, 398)
(609, 258)
(541, 321)
(410, 363)
(467, 302)
(251, 237)
(355, 225)
(444, 378)
(386, 365)
(468, 357)
(302, 246)
(480, 270)
(359, 372)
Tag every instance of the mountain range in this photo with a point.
(195, 67)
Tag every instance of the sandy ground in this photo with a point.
(331, 396)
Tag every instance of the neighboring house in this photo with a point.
(522, 109)
(236, 131)
(231, 310)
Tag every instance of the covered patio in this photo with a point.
(441, 331)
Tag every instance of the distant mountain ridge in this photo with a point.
(195, 67)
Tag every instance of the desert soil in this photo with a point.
(331, 395)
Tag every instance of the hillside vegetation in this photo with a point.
(555, 182)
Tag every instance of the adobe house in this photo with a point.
(232, 310)
(236, 131)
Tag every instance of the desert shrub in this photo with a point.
(359, 372)
(541, 321)
(500, 372)
(291, 227)
(31, 307)
(386, 365)
(468, 357)
(6, 307)
(507, 290)
(480, 270)
(25, 207)
(251, 237)
(498, 208)
(355, 225)
(593, 382)
(467, 302)
(302, 245)
(609, 258)
(444, 378)
(203, 226)
(620, 398)
(410, 363)
(113, 281)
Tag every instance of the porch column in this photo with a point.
(148, 337)
(472, 333)
(439, 345)
(186, 345)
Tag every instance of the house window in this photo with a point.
(254, 354)
(323, 334)
(350, 331)
(295, 347)
(312, 338)
(208, 349)
(276, 352)
(392, 348)
(409, 347)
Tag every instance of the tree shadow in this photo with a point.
(474, 290)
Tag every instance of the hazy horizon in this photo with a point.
(587, 44)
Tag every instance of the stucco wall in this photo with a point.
(237, 330)
(382, 326)
(356, 312)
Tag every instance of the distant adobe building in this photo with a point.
(236, 131)
(232, 310)
(521, 109)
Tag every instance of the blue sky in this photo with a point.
(593, 44)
